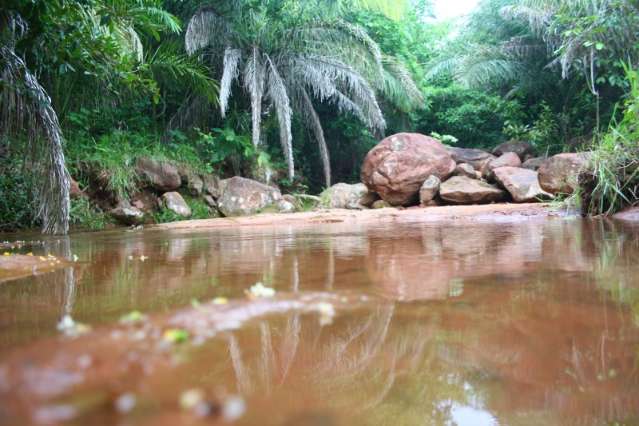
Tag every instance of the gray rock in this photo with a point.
(429, 190)
(174, 202)
(522, 184)
(211, 185)
(127, 215)
(284, 206)
(194, 184)
(464, 190)
(159, 175)
(344, 196)
(242, 197)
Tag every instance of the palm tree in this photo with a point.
(291, 54)
(25, 108)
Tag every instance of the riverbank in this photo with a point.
(414, 214)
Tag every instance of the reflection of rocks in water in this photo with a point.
(423, 264)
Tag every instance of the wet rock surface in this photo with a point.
(429, 190)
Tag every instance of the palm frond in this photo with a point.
(311, 118)
(279, 98)
(204, 28)
(229, 75)
(254, 76)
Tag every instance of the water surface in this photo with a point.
(500, 321)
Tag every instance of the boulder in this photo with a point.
(211, 186)
(465, 169)
(242, 197)
(558, 174)
(522, 184)
(127, 215)
(475, 157)
(145, 201)
(533, 163)
(429, 190)
(368, 199)
(174, 202)
(630, 214)
(194, 183)
(284, 206)
(524, 150)
(399, 164)
(509, 159)
(345, 196)
(464, 190)
(159, 175)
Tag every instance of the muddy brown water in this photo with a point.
(498, 321)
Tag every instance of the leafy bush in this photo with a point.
(17, 209)
(85, 215)
(614, 180)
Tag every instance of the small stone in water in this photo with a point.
(259, 290)
(191, 398)
(234, 408)
(220, 301)
(125, 403)
(176, 335)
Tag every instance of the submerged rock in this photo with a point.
(559, 173)
(524, 150)
(429, 190)
(522, 184)
(463, 190)
(345, 196)
(242, 197)
(380, 204)
(160, 175)
(174, 202)
(398, 166)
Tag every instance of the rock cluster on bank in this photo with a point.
(408, 169)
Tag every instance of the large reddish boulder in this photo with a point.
(558, 174)
(159, 175)
(398, 166)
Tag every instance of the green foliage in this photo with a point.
(472, 116)
(17, 209)
(199, 210)
(614, 182)
(445, 139)
(84, 215)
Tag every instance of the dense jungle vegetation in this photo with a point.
(301, 90)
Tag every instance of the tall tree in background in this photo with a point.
(292, 54)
